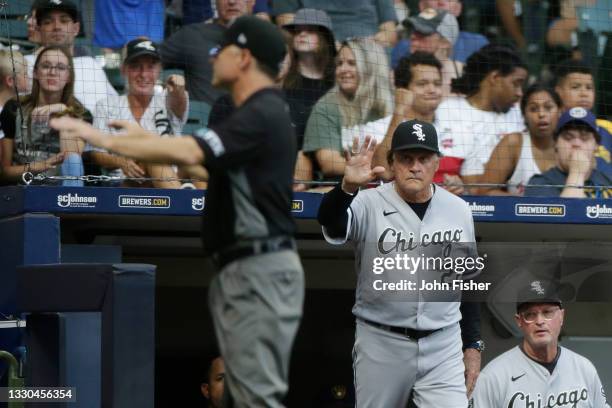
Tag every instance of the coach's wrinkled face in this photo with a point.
(414, 170)
(541, 324)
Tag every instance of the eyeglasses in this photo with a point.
(61, 68)
(532, 316)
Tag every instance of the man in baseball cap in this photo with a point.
(140, 47)
(577, 139)
(415, 134)
(431, 21)
(578, 117)
(537, 292)
(262, 40)
(390, 337)
(539, 372)
(44, 7)
(436, 32)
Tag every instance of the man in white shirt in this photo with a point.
(57, 23)
(472, 124)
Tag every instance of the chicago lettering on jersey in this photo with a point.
(569, 399)
(400, 244)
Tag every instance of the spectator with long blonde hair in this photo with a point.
(362, 93)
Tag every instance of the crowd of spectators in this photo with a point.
(505, 127)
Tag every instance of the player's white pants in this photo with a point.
(387, 366)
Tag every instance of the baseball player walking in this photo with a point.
(539, 372)
(256, 300)
(403, 342)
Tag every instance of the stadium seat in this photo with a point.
(198, 117)
(15, 28)
(18, 8)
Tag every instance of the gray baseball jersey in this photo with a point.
(513, 380)
(383, 227)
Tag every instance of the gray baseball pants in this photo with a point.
(256, 305)
(387, 366)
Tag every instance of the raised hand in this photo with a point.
(175, 84)
(581, 163)
(358, 171)
(404, 98)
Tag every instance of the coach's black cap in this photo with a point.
(263, 39)
(139, 47)
(415, 134)
(538, 291)
(44, 7)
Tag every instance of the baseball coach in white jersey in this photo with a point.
(408, 237)
(538, 372)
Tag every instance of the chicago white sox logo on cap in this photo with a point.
(242, 39)
(56, 1)
(418, 131)
(145, 44)
(578, 112)
(536, 286)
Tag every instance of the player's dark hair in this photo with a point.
(571, 66)
(536, 88)
(403, 71)
(486, 60)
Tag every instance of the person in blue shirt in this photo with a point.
(575, 84)
(575, 175)
(467, 43)
(120, 21)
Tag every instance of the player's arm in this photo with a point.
(135, 142)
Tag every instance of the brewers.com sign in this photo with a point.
(131, 201)
(539, 210)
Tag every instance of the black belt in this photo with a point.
(405, 331)
(251, 248)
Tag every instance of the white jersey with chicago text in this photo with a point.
(513, 380)
(469, 134)
(382, 225)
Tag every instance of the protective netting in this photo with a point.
(518, 90)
